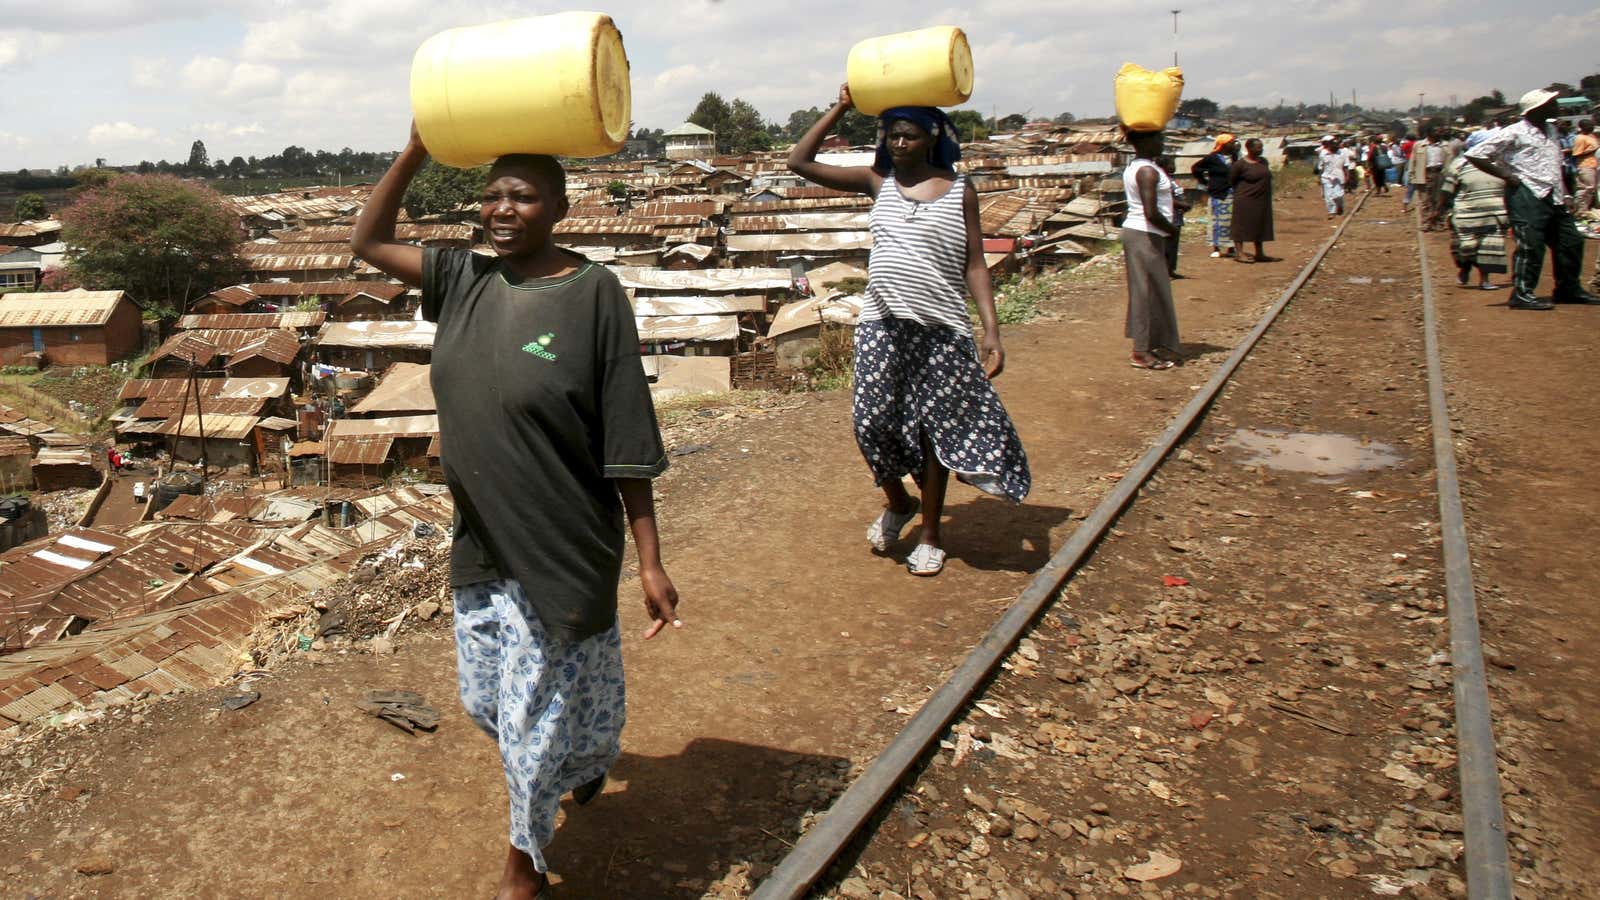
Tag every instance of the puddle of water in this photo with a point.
(1324, 454)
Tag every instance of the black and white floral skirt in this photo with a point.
(914, 381)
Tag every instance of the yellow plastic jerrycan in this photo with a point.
(1147, 100)
(929, 67)
(554, 84)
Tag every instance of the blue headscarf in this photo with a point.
(946, 149)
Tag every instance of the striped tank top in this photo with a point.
(918, 265)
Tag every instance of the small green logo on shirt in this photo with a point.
(538, 346)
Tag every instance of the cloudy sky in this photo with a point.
(141, 79)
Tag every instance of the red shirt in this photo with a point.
(1405, 147)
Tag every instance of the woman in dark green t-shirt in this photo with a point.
(548, 439)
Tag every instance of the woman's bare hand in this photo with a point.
(660, 600)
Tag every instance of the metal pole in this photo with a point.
(1175, 36)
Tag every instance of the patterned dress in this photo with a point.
(1478, 220)
(917, 374)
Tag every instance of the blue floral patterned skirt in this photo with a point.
(556, 708)
(915, 381)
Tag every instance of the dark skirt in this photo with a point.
(1152, 317)
(917, 382)
(1252, 203)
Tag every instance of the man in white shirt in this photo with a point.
(1530, 163)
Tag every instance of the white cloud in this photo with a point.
(119, 133)
(216, 76)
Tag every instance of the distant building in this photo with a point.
(690, 141)
(68, 328)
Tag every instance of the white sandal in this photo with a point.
(886, 528)
(926, 560)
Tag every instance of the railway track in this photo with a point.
(1485, 863)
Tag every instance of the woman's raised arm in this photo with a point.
(373, 238)
(803, 158)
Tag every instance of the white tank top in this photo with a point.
(1130, 185)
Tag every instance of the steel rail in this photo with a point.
(1488, 864)
(816, 850)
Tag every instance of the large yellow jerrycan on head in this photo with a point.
(930, 67)
(1146, 100)
(554, 84)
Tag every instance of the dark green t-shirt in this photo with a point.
(542, 401)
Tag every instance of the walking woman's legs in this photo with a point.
(935, 478)
(900, 500)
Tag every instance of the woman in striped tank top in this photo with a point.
(924, 404)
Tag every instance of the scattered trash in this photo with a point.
(687, 449)
(406, 710)
(1174, 580)
(305, 641)
(239, 700)
(397, 777)
(424, 530)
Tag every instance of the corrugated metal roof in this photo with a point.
(204, 344)
(396, 426)
(363, 450)
(236, 295)
(217, 427)
(155, 629)
(324, 288)
(698, 306)
(57, 309)
(705, 281)
(278, 346)
(412, 334)
(299, 262)
(665, 329)
(404, 387)
(175, 388)
(209, 406)
(799, 242)
(228, 321)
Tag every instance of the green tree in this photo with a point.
(800, 122)
(163, 240)
(1590, 86)
(1012, 122)
(198, 158)
(970, 124)
(1065, 118)
(439, 189)
(746, 129)
(30, 207)
(617, 189)
(712, 113)
(1199, 108)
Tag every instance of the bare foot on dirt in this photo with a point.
(520, 880)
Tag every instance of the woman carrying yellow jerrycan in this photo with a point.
(924, 403)
(547, 431)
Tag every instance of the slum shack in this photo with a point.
(68, 328)
(59, 468)
(375, 346)
(798, 330)
(16, 463)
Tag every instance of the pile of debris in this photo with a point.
(410, 579)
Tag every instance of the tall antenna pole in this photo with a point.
(1175, 36)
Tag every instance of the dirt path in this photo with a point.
(801, 649)
(119, 507)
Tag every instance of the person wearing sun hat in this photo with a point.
(1212, 172)
(1525, 157)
